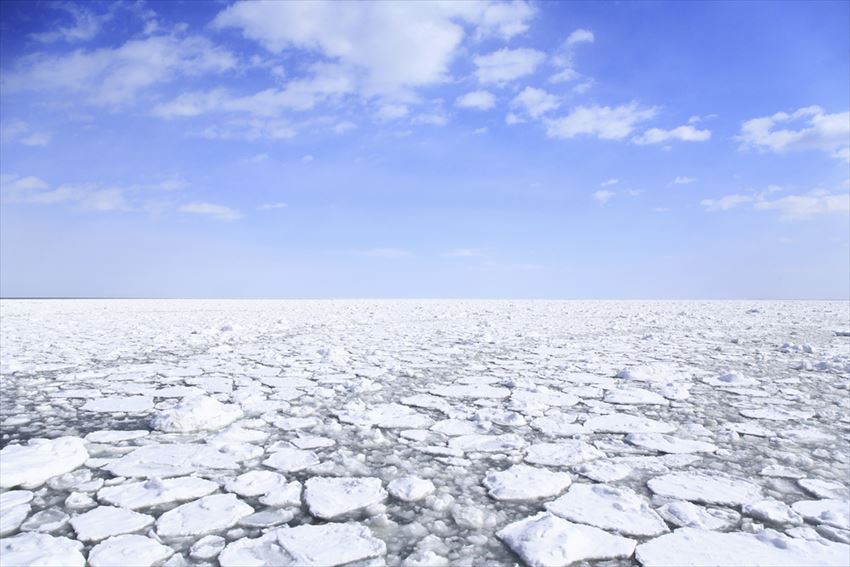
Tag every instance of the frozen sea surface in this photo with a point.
(372, 433)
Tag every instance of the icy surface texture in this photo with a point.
(424, 433)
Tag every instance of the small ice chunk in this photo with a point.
(123, 404)
(687, 514)
(654, 372)
(291, 460)
(313, 442)
(47, 520)
(208, 547)
(30, 465)
(12, 516)
(774, 511)
(612, 508)
(545, 540)
(706, 488)
(696, 548)
(267, 518)
(824, 488)
(389, 416)
(668, 444)
(410, 488)
(330, 497)
(106, 521)
(153, 492)
(562, 454)
(255, 483)
(775, 414)
(522, 482)
(115, 436)
(130, 550)
(634, 396)
(626, 423)
(505, 443)
(287, 495)
(604, 471)
(475, 391)
(557, 425)
(209, 514)
(196, 413)
(835, 513)
(457, 427)
(41, 549)
(325, 545)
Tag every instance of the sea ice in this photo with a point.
(203, 516)
(690, 547)
(130, 550)
(505, 443)
(668, 444)
(105, 521)
(30, 465)
(706, 488)
(41, 550)
(410, 488)
(611, 508)
(291, 460)
(546, 540)
(154, 492)
(196, 413)
(123, 404)
(773, 511)
(522, 482)
(178, 459)
(835, 513)
(562, 454)
(626, 423)
(687, 514)
(634, 396)
(330, 497)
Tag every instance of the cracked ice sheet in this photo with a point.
(503, 377)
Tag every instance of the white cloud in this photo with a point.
(603, 196)
(307, 158)
(385, 253)
(535, 102)
(86, 24)
(213, 211)
(686, 133)
(725, 203)
(270, 206)
(389, 112)
(580, 36)
(564, 75)
(816, 130)
(605, 122)
(479, 100)
(432, 118)
(612, 181)
(506, 65)
(257, 158)
(482, 130)
(251, 129)
(683, 180)
(462, 253)
(343, 127)
(800, 207)
(21, 132)
(115, 76)
(10, 183)
(389, 47)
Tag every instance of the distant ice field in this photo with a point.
(424, 433)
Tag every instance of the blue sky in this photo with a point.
(491, 149)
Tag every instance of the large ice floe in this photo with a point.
(424, 433)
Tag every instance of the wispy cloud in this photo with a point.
(211, 210)
(816, 130)
(605, 122)
(683, 180)
(603, 196)
(270, 206)
(384, 252)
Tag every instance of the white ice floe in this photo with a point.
(626, 423)
(178, 459)
(122, 404)
(522, 482)
(668, 444)
(705, 488)
(776, 414)
(105, 521)
(46, 521)
(14, 509)
(634, 396)
(390, 416)
(196, 413)
(255, 483)
(505, 443)
(455, 427)
(557, 425)
(30, 465)
(313, 442)
(774, 511)
(410, 488)
(154, 492)
(825, 488)
(611, 508)
(208, 547)
(545, 540)
(113, 436)
(685, 514)
(130, 550)
(206, 515)
(324, 545)
(41, 550)
(471, 391)
(291, 460)
(656, 372)
(690, 547)
(835, 513)
(542, 397)
(603, 471)
(562, 454)
(286, 495)
(331, 497)
(267, 518)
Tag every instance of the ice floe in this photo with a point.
(562, 454)
(196, 413)
(669, 444)
(41, 550)
(610, 508)
(706, 488)
(410, 488)
(30, 465)
(155, 492)
(205, 515)
(131, 550)
(330, 497)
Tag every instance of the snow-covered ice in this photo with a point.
(247, 432)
